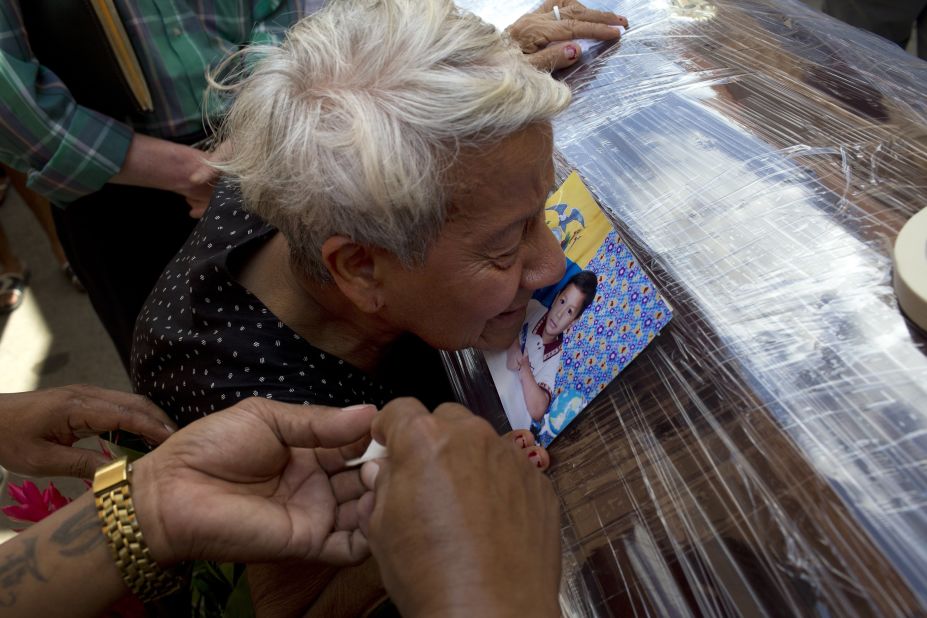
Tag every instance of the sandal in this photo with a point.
(13, 290)
(72, 277)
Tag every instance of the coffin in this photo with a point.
(767, 454)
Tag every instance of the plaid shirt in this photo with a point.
(68, 150)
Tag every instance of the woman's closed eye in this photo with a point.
(507, 259)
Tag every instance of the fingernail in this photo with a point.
(359, 406)
(521, 442)
(570, 52)
(169, 428)
(536, 458)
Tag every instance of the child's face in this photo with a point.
(564, 311)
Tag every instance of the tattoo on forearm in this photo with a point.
(14, 568)
(79, 533)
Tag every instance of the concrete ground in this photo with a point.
(54, 338)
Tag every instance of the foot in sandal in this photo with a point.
(13, 290)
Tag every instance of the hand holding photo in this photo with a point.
(581, 332)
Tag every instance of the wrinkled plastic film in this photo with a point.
(767, 454)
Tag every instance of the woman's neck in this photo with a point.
(317, 312)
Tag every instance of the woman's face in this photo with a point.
(491, 255)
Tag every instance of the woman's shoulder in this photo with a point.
(204, 372)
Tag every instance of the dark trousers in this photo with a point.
(118, 241)
(891, 19)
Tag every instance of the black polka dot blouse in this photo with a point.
(203, 341)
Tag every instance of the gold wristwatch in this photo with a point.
(143, 576)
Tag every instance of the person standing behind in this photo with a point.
(126, 186)
(14, 273)
(891, 19)
(14, 276)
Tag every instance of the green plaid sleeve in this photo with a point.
(66, 150)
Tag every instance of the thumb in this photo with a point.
(202, 176)
(556, 56)
(197, 210)
(203, 172)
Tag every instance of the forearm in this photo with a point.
(286, 589)
(354, 591)
(485, 599)
(64, 162)
(159, 164)
(536, 398)
(47, 570)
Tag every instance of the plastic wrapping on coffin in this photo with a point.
(767, 454)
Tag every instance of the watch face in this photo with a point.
(111, 475)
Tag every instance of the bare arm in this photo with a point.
(44, 570)
(160, 164)
(536, 398)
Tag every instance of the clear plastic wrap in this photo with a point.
(767, 454)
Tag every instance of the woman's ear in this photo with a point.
(353, 267)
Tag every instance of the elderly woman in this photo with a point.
(388, 172)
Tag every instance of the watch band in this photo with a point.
(112, 494)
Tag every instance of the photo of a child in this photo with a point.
(581, 332)
(535, 355)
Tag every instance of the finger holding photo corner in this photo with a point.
(449, 500)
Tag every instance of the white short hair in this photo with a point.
(350, 126)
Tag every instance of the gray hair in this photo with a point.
(351, 125)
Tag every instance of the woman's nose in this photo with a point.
(545, 262)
